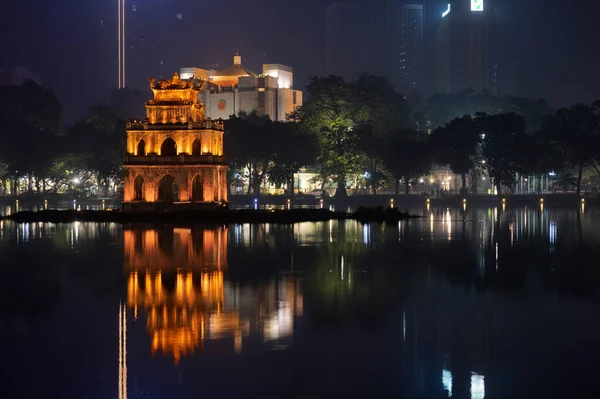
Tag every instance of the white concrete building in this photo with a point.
(237, 89)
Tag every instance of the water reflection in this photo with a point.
(176, 277)
(461, 303)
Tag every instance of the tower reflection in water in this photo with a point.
(176, 278)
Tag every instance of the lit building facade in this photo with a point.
(466, 47)
(237, 89)
(175, 154)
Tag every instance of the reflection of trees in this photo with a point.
(519, 249)
(343, 288)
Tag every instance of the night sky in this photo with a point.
(548, 48)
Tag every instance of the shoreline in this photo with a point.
(217, 216)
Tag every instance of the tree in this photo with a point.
(407, 156)
(534, 111)
(504, 147)
(575, 131)
(293, 150)
(456, 145)
(330, 114)
(348, 118)
(30, 121)
(250, 145)
(101, 136)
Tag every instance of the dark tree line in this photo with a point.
(355, 133)
(47, 158)
(263, 149)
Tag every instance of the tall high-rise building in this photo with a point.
(384, 37)
(411, 47)
(345, 53)
(466, 47)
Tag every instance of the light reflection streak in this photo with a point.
(496, 256)
(122, 351)
(449, 223)
(431, 224)
(447, 381)
(403, 325)
(477, 386)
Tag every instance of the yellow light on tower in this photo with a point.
(392, 203)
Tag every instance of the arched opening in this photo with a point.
(141, 148)
(168, 148)
(196, 147)
(197, 189)
(138, 187)
(167, 189)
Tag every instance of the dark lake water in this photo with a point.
(465, 304)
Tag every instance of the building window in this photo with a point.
(261, 89)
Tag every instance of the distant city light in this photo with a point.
(448, 10)
(476, 5)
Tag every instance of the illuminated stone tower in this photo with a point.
(175, 155)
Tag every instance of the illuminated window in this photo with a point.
(261, 89)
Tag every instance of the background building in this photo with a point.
(466, 47)
(411, 21)
(378, 36)
(18, 75)
(237, 89)
(346, 48)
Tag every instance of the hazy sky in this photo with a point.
(548, 47)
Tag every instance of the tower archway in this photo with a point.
(167, 189)
(197, 189)
(141, 148)
(138, 188)
(168, 148)
(196, 148)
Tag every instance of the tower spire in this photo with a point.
(237, 59)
